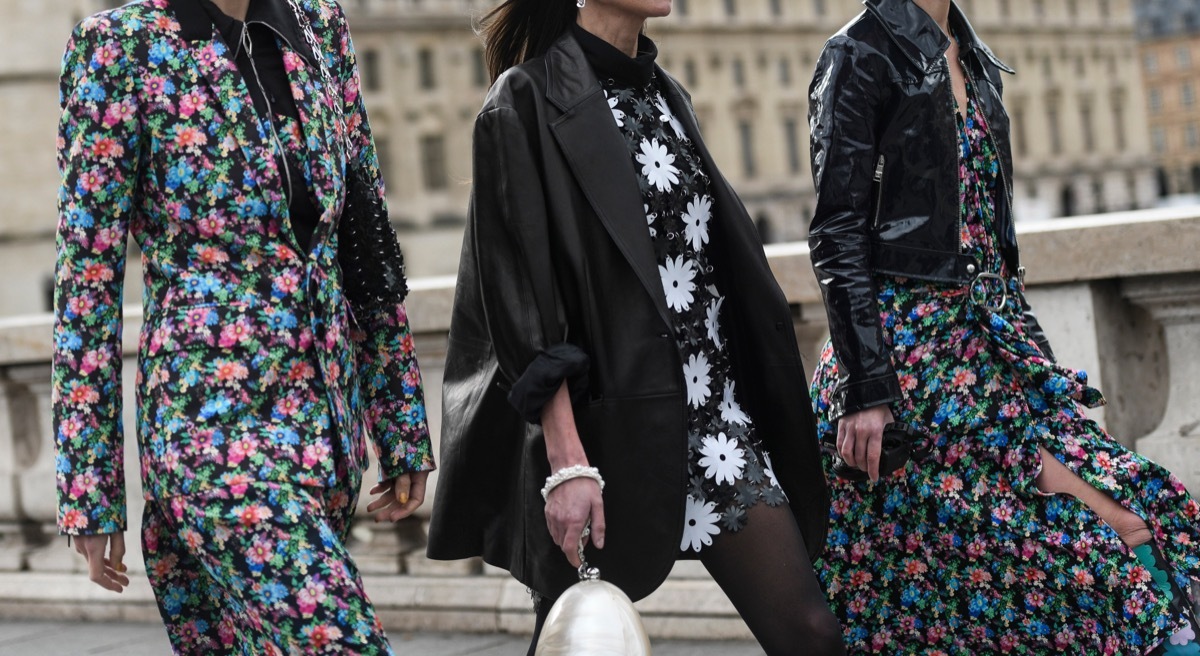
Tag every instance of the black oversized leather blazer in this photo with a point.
(557, 257)
(886, 167)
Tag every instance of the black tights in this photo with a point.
(765, 571)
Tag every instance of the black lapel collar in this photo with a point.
(277, 15)
(196, 25)
(920, 38)
(595, 150)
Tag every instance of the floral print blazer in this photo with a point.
(252, 365)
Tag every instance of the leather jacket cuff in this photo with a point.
(849, 397)
(542, 378)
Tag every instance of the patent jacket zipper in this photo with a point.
(879, 186)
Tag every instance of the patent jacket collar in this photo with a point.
(920, 38)
(195, 24)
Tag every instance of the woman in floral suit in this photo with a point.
(228, 138)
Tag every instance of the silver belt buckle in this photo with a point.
(981, 294)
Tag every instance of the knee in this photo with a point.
(815, 632)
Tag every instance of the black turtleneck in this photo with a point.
(609, 62)
(272, 92)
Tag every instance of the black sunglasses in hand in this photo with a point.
(901, 443)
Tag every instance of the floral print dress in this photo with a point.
(728, 471)
(960, 553)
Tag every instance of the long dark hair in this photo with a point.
(519, 30)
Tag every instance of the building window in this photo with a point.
(1039, 8)
(1089, 129)
(731, 7)
(369, 66)
(1183, 57)
(689, 72)
(1187, 94)
(1072, 8)
(681, 7)
(785, 72)
(1150, 63)
(1099, 204)
(425, 73)
(1105, 10)
(479, 68)
(739, 73)
(749, 166)
(1018, 131)
(777, 8)
(1055, 127)
(1118, 109)
(1005, 9)
(1158, 136)
(766, 233)
(1156, 101)
(791, 134)
(1192, 136)
(1067, 200)
(819, 7)
(433, 162)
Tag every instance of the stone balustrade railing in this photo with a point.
(1119, 296)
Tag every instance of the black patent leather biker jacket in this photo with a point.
(885, 163)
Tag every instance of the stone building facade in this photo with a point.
(1081, 137)
(1170, 60)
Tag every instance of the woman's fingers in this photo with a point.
(403, 487)
(386, 498)
(116, 553)
(100, 570)
(874, 451)
(598, 522)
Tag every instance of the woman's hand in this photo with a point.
(106, 572)
(568, 509)
(399, 497)
(860, 438)
(570, 505)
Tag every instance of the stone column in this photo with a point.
(12, 544)
(1174, 301)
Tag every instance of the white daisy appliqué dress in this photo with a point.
(728, 470)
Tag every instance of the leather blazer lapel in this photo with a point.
(596, 152)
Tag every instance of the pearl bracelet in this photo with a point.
(567, 473)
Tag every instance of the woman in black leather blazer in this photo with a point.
(590, 287)
(966, 549)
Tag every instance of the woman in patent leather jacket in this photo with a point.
(914, 248)
(588, 331)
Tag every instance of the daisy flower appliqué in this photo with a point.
(713, 321)
(618, 114)
(658, 165)
(667, 116)
(695, 221)
(730, 410)
(677, 276)
(699, 524)
(723, 460)
(696, 371)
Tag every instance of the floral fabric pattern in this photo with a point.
(252, 365)
(960, 553)
(258, 569)
(728, 470)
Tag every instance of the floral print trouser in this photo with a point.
(259, 569)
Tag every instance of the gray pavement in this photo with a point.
(23, 638)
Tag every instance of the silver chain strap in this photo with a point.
(318, 51)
